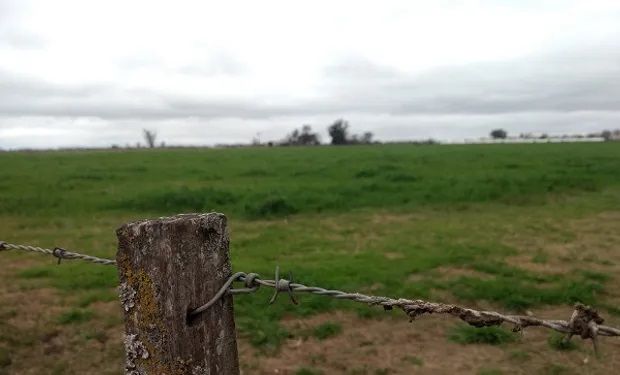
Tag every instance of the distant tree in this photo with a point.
(307, 137)
(303, 137)
(499, 134)
(293, 138)
(606, 134)
(149, 137)
(367, 137)
(256, 140)
(338, 132)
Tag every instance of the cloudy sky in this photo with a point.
(95, 73)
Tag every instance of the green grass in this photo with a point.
(490, 371)
(613, 310)
(595, 276)
(519, 355)
(262, 329)
(518, 294)
(74, 276)
(540, 257)
(261, 182)
(332, 215)
(94, 334)
(308, 371)
(326, 330)
(557, 341)
(414, 360)
(466, 334)
(555, 369)
(75, 316)
(5, 358)
(92, 296)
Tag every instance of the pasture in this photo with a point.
(517, 228)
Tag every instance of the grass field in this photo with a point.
(511, 227)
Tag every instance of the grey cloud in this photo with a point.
(15, 87)
(25, 96)
(577, 80)
(586, 79)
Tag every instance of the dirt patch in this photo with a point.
(392, 345)
(36, 343)
(393, 255)
(527, 262)
(391, 218)
(456, 272)
(595, 245)
(450, 273)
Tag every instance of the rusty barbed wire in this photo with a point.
(584, 322)
(57, 252)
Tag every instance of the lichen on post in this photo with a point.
(168, 267)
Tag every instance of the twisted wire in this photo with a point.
(584, 321)
(58, 253)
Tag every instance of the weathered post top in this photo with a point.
(168, 267)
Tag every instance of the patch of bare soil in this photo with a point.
(594, 246)
(392, 345)
(449, 272)
(34, 342)
(391, 218)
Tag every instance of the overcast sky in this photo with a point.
(94, 73)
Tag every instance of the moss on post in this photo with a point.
(168, 267)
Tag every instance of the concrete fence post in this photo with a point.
(168, 267)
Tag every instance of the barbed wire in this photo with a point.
(57, 252)
(584, 322)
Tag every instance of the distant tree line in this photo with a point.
(611, 135)
(303, 137)
(607, 135)
(338, 132)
